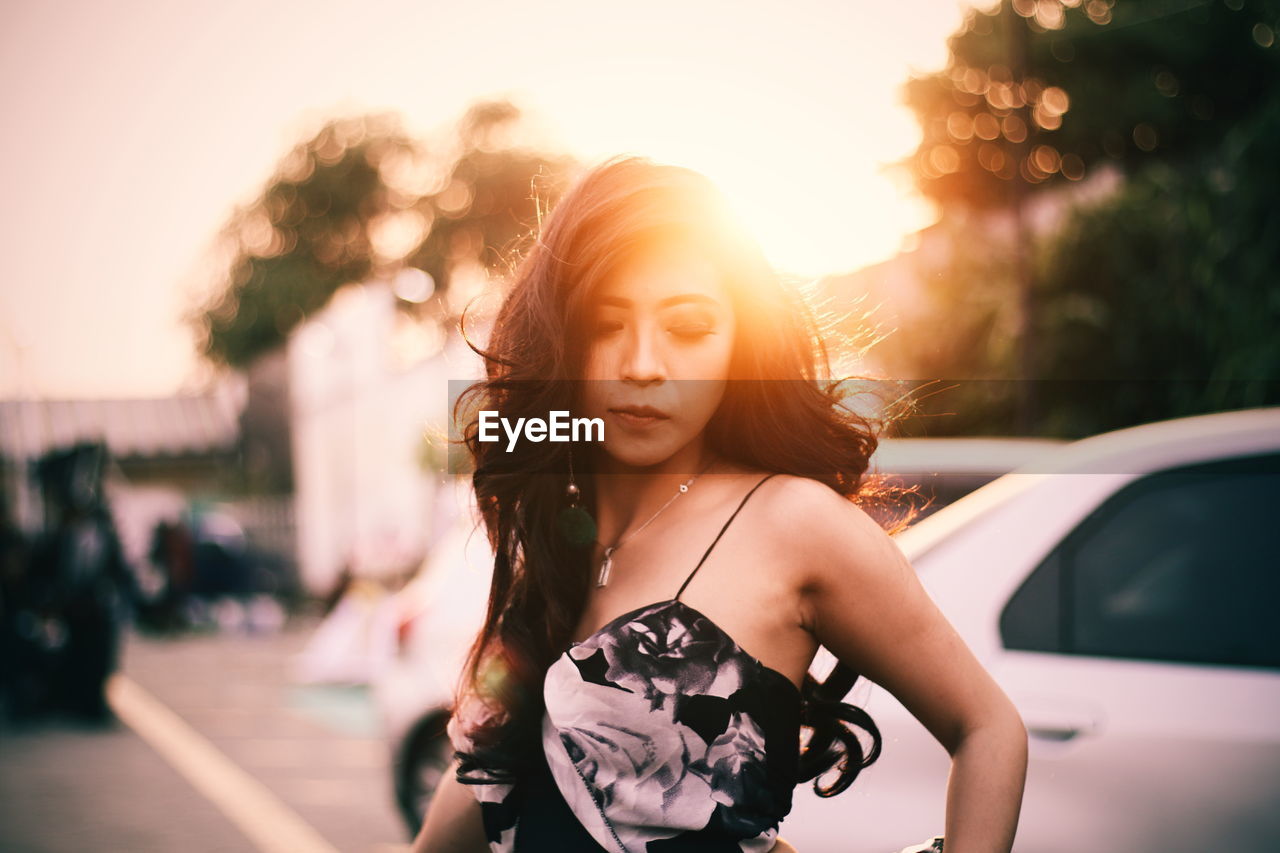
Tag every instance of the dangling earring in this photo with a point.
(576, 524)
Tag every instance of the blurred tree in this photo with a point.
(1167, 279)
(306, 235)
(1040, 91)
(489, 203)
(1172, 285)
(362, 199)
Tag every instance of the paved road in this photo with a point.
(66, 789)
(217, 723)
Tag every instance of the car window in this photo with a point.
(1178, 566)
(1031, 620)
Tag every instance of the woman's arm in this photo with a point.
(863, 601)
(452, 824)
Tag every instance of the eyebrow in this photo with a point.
(670, 300)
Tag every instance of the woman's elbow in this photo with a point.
(1002, 733)
(1015, 729)
(1001, 723)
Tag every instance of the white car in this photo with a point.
(1122, 590)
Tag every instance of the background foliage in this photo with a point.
(1156, 300)
(363, 199)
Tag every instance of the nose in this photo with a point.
(642, 362)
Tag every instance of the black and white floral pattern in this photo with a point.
(662, 734)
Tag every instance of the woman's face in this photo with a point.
(660, 335)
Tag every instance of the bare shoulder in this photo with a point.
(862, 599)
(794, 493)
(822, 528)
(832, 544)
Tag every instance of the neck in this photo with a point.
(627, 495)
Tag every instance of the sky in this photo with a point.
(133, 129)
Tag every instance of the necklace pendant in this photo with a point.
(605, 565)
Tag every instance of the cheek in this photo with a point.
(594, 362)
(704, 398)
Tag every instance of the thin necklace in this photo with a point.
(607, 563)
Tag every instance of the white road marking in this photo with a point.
(271, 825)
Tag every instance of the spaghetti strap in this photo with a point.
(721, 533)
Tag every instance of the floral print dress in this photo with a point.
(661, 735)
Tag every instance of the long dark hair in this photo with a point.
(781, 412)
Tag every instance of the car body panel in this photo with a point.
(1124, 753)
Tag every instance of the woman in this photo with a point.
(613, 699)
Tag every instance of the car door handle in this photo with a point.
(1059, 727)
(1053, 733)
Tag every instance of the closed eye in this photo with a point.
(691, 331)
(600, 329)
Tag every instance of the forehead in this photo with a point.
(658, 273)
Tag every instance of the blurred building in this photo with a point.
(265, 425)
(367, 382)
